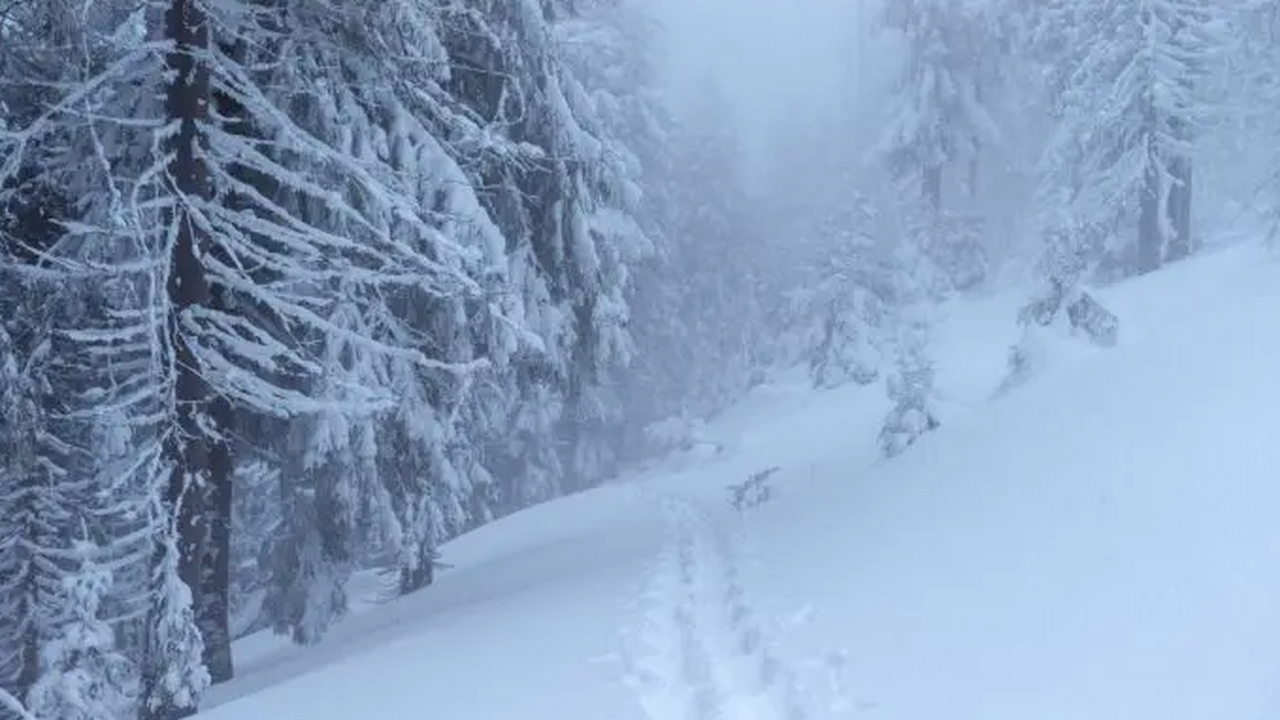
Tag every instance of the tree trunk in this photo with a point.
(974, 166)
(213, 605)
(198, 471)
(1150, 223)
(214, 600)
(416, 578)
(1180, 209)
(932, 182)
(1180, 193)
(29, 671)
(1150, 240)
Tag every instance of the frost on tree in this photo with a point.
(255, 516)
(41, 440)
(910, 388)
(67, 470)
(1127, 78)
(174, 687)
(20, 591)
(851, 301)
(361, 230)
(702, 315)
(385, 272)
(939, 126)
(559, 186)
(1063, 306)
(82, 674)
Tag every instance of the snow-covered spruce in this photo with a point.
(852, 302)
(1128, 81)
(910, 387)
(82, 674)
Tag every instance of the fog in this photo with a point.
(769, 61)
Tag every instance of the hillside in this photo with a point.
(1101, 543)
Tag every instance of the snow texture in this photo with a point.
(1100, 543)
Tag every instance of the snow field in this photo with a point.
(1101, 542)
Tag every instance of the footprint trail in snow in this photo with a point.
(703, 654)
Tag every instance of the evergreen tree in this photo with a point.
(910, 387)
(377, 257)
(83, 676)
(941, 122)
(22, 590)
(941, 117)
(1127, 76)
(715, 255)
(61, 477)
(851, 301)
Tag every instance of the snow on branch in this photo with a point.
(10, 703)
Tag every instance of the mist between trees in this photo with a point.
(291, 289)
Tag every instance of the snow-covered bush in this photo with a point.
(753, 491)
(1063, 310)
(910, 387)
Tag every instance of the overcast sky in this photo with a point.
(772, 55)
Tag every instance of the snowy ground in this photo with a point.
(1102, 543)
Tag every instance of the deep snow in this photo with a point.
(1102, 542)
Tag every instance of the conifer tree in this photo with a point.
(1128, 79)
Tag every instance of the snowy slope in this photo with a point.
(1101, 543)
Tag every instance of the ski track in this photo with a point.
(703, 655)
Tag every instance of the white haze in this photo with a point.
(769, 62)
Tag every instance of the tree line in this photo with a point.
(295, 288)
(292, 289)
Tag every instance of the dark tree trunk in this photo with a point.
(196, 456)
(414, 579)
(1150, 224)
(932, 182)
(974, 165)
(1150, 240)
(214, 602)
(1180, 209)
(1180, 169)
(29, 672)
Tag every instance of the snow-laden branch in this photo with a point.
(77, 96)
(11, 704)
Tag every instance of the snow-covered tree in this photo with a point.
(1062, 306)
(379, 257)
(58, 480)
(851, 301)
(257, 513)
(223, 230)
(1127, 76)
(713, 271)
(82, 675)
(609, 46)
(174, 673)
(910, 387)
(560, 187)
(21, 589)
(941, 123)
(941, 118)
(1246, 179)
